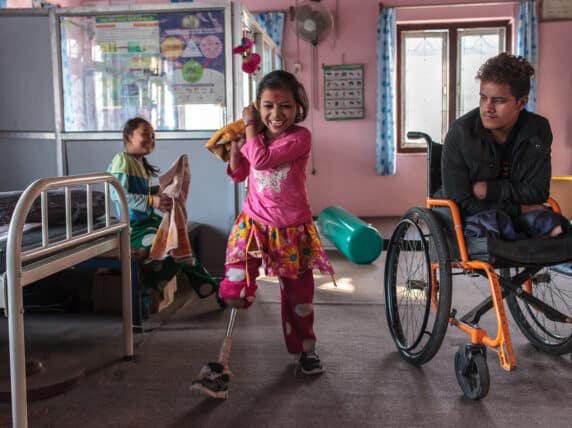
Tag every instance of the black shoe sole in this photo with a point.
(198, 388)
(312, 372)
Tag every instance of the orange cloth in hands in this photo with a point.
(172, 237)
(219, 144)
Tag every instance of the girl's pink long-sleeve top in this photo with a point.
(276, 174)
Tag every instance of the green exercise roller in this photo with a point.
(358, 241)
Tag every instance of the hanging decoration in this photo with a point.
(250, 60)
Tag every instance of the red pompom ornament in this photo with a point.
(250, 60)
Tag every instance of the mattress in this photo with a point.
(56, 206)
(32, 236)
(56, 216)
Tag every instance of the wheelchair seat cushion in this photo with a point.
(491, 222)
(503, 253)
(525, 252)
(499, 224)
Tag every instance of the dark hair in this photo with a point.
(515, 71)
(130, 126)
(280, 79)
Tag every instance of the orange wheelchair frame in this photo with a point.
(422, 295)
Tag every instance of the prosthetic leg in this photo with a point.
(214, 377)
(224, 354)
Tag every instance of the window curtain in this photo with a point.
(385, 129)
(3, 4)
(273, 24)
(527, 43)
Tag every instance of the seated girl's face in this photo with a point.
(141, 142)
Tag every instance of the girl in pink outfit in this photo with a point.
(275, 228)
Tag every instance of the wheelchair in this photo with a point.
(428, 249)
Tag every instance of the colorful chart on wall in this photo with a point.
(343, 92)
(167, 67)
(192, 48)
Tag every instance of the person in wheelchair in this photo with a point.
(491, 178)
(496, 162)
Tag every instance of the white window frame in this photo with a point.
(451, 67)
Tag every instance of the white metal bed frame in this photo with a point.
(25, 267)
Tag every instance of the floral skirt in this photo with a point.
(285, 251)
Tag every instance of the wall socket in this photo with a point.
(297, 68)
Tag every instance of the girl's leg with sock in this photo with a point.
(297, 297)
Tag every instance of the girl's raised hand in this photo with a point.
(249, 113)
(235, 145)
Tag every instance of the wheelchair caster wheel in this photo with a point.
(472, 371)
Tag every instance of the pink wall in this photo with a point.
(555, 90)
(344, 151)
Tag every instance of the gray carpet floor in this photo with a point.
(366, 383)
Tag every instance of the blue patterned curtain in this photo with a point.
(527, 43)
(2, 4)
(273, 24)
(386, 50)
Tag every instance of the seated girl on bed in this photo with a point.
(134, 172)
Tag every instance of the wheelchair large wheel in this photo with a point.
(417, 307)
(553, 286)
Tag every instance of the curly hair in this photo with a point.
(513, 70)
(280, 79)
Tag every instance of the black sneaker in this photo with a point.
(310, 363)
(212, 382)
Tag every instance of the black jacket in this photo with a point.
(470, 155)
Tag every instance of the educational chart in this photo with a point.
(167, 67)
(192, 49)
(553, 10)
(125, 59)
(127, 34)
(343, 92)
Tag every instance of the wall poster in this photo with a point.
(192, 50)
(555, 10)
(167, 67)
(343, 92)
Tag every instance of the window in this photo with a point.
(168, 67)
(271, 56)
(436, 68)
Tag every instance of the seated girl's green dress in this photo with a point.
(144, 222)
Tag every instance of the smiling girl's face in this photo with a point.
(141, 142)
(277, 111)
